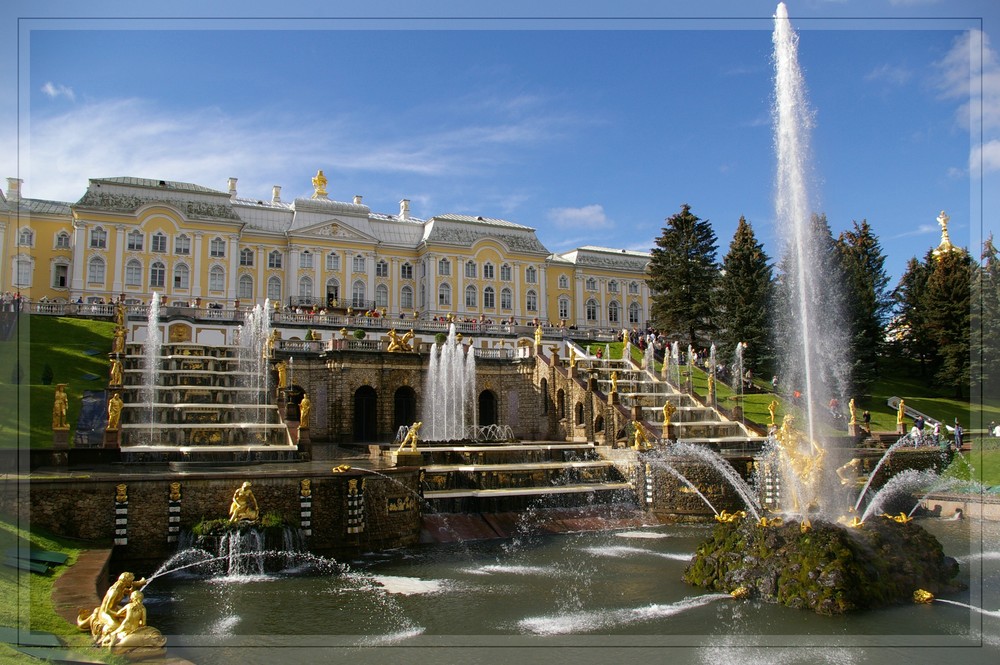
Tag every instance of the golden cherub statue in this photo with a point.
(244, 505)
(399, 344)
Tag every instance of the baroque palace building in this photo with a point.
(128, 237)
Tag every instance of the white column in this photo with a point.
(293, 271)
(4, 268)
(198, 263)
(543, 301)
(432, 268)
(580, 306)
(79, 259)
(260, 285)
(394, 285)
(459, 295)
(234, 263)
(117, 277)
(519, 310)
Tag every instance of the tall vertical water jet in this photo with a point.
(449, 407)
(254, 363)
(813, 355)
(152, 348)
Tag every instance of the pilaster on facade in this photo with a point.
(79, 259)
(232, 274)
(118, 269)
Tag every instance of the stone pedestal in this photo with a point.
(304, 442)
(408, 458)
(636, 412)
(112, 439)
(613, 398)
(60, 438)
(854, 429)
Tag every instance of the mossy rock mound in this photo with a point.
(828, 569)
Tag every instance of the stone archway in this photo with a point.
(404, 407)
(487, 408)
(365, 414)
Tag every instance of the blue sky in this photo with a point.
(591, 122)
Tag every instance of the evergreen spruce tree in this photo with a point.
(909, 331)
(867, 302)
(682, 276)
(986, 324)
(948, 303)
(744, 300)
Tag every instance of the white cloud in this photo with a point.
(970, 73)
(54, 91)
(891, 74)
(922, 229)
(985, 158)
(587, 217)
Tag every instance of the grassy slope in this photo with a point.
(60, 343)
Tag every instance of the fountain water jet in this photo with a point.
(449, 412)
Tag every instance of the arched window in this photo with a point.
(531, 275)
(382, 268)
(564, 308)
(406, 271)
(470, 269)
(26, 238)
(182, 245)
(274, 288)
(633, 312)
(505, 273)
(563, 282)
(217, 248)
(545, 396)
(633, 288)
(359, 294)
(406, 298)
(531, 301)
(98, 238)
(305, 287)
(62, 240)
(579, 413)
(489, 298)
(23, 267)
(181, 275)
(244, 288)
(157, 274)
(134, 243)
(381, 295)
(614, 310)
(217, 279)
(159, 242)
(133, 273)
(506, 298)
(613, 286)
(246, 257)
(444, 267)
(591, 310)
(444, 295)
(333, 292)
(470, 296)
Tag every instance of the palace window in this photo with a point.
(25, 238)
(95, 271)
(306, 259)
(216, 279)
(157, 274)
(488, 271)
(406, 271)
(506, 298)
(244, 288)
(563, 282)
(22, 271)
(531, 275)
(133, 273)
(382, 268)
(134, 241)
(98, 238)
(489, 298)
(60, 275)
(246, 257)
(591, 284)
(613, 312)
(159, 243)
(531, 301)
(564, 308)
(217, 248)
(359, 264)
(505, 273)
(181, 275)
(612, 286)
(633, 313)
(274, 289)
(381, 295)
(633, 288)
(305, 287)
(274, 260)
(591, 310)
(62, 240)
(470, 269)
(359, 294)
(444, 267)
(333, 261)
(182, 245)
(406, 298)
(444, 295)
(470, 296)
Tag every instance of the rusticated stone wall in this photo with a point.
(86, 508)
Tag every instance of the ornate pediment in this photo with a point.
(337, 230)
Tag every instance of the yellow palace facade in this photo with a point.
(203, 247)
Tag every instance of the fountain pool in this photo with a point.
(590, 590)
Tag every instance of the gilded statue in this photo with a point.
(105, 618)
(244, 505)
(614, 381)
(412, 437)
(400, 344)
(848, 473)
(60, 408)
(282, 368)
(117, 373)
(945, 245)
(726, 517)
(772, 408)
(668, 411)
(901, 412)
(639, 439)
(711, 386)
(133, 631)
(572, 356)
(120, 315)
(854, 412)
(319, 185)
(115, 405)
(538, 336)
(118, 343)
(305, 406)
(805, 459)
(271, 341)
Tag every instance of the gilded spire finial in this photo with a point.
(319, 185)
(945, 245)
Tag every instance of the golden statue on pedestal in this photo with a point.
(945, 245)
(121, 628)
(60, 407)
(614, 381)
(412, 437)
(772, 409)
(319, 185)
(115, 405)
(399, 344)
(639, 439)
(117, 372)
(803, 458)
(118, 343)
(305, 406)
(538, 336)
(244, 505)
(282, 369)
(668, 411)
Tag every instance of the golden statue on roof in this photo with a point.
(319, 185)
(945, 245)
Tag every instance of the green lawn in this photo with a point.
(981, 464)
(77, 352)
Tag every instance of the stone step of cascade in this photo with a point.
(516, 467)
(525, 491)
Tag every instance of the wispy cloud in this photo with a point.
(54, 91)
(985, 158)
(890, 74)
(585, 217)
(206, 145)
(921, 230)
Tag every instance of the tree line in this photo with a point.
(944, 314)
